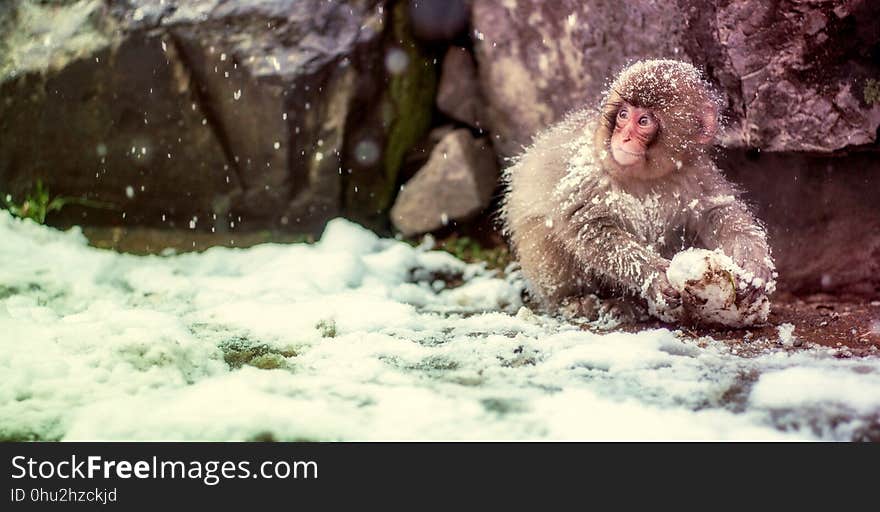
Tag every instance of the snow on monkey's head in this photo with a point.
(657, 116)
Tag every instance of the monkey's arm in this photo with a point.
(614, 255)
(730, 226)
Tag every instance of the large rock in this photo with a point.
(538, 60)
(79, 111)
(239, 113)
(458, 93)
(455, 185)
(822, 216)
(794, 72)
(273, 78)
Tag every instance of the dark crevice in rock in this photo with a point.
(205, 103)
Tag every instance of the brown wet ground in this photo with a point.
(849, 325)
(155, 241)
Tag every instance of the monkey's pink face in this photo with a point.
(634, 130)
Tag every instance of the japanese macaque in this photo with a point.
(601, 202)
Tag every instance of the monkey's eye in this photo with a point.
(644, 121)
(623, 114)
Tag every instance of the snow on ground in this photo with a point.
(355, 338)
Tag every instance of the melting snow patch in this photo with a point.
(826, 386)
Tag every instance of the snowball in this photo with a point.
(707, 281)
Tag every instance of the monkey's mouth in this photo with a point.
(629, 152)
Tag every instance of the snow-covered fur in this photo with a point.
(579, 229)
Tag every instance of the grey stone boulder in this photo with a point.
(114, 120)
(277, 79)
(795, 73)
(539, 60)
(455, 184)
(242, 114)
(458, 93)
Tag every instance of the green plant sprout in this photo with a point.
(469, 250)
(38, 203)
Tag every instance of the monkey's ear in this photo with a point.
(708, 124)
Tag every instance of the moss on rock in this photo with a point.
(411, 94)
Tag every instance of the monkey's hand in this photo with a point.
(664, 301)
(758, 278)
